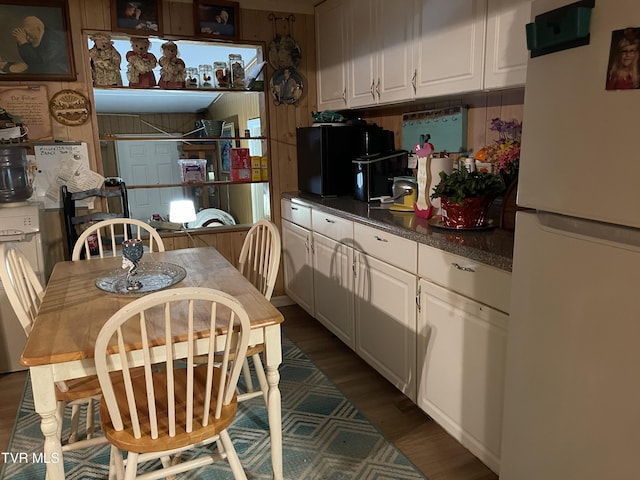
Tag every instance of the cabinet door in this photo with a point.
(298, 266)
(506, 57)
(450, 37)
(362, 53)
(385, 316)
(461, 364)
(333, 287)
(331, 18)
(395, 60)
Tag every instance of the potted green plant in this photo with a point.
(465, 197)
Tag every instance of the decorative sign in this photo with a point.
(70, 108)
(29, 103)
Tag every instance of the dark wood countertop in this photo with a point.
(492, 247)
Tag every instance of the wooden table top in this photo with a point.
(74, 309)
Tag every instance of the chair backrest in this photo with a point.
(216, 318)
(113, 189)
(260, 256)
(106, 232)
(21, 284)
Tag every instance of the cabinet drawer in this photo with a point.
(480, 282)
(395, 250)
(296, 213)
(331, 226)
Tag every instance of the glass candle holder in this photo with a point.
(132, 251)
(206, 76)
(192, 77)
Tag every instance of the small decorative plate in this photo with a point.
(286, 86)
(154, 276)
(69, 107)
(437, 222)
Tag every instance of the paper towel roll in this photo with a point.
(437, 165)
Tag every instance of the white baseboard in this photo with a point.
(282, 301)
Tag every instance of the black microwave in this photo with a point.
(326, 154)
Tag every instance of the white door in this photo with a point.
(395, 61)
(450, 37)
(385, 312)
(362, 54)
(298, 265)
(333, 286)
(461, 361)
(331, 54)
(507, 54)
(145, 162)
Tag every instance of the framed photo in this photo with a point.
(139, 17)
(216, 18)
(35, 41)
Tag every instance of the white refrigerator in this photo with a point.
(572, 388)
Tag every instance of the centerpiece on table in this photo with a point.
(465, 197)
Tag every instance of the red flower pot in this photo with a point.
(470, 214)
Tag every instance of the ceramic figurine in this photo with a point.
(141, 63)
(105, 61)
(172, 71)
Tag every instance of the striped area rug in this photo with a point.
(324, 437)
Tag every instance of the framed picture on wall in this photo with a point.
(139, 17)
(35, 41)
(216, 18)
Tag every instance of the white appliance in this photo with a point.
(572, 394)
(20, 224)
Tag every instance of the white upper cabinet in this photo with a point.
(380, 37)
(331, 42)
(449, 46)
(506, 56)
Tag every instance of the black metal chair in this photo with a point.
(113, 188)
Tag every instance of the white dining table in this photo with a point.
(61, 344)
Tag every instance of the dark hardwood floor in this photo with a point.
(428, 446)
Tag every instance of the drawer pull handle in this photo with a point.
(294, 208)
(329, 221)
(460, 267)
(381, 239)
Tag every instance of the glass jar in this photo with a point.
(192, 77)
(206, 76)
(236, 70)
(221, 74)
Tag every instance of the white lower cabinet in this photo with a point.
(385, 319)
(298, 264)
(461, 364)
(333, 287)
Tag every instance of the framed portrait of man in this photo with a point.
(35, 41)
(137, 17)
(216, 18)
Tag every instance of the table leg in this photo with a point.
(44, 399)
(273, 359)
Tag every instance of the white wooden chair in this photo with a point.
(259, 262)
(108, 231)
(168, 410)
(24, 291)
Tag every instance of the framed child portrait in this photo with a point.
(216, 18)
(35, 41)
(138, 17)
